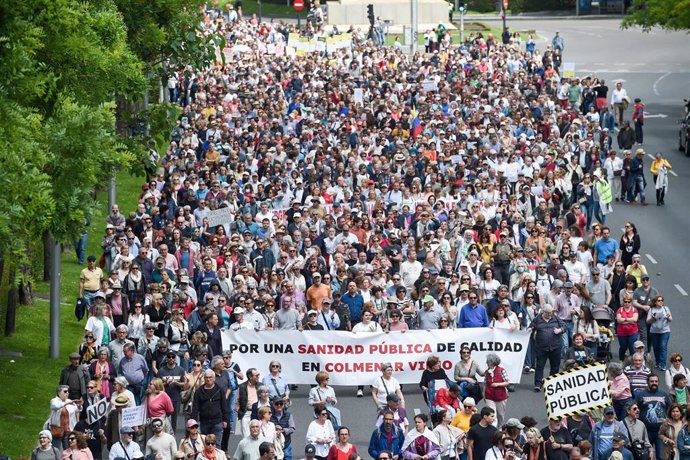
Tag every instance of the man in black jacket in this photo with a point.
(210, 407)
(247, 395)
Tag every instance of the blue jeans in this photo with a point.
(530, 359)
(567, 338)
(626, 344)
(212, 428)
(80, 248)
(660, 346)
(287, 452)
(232, 415)
(635, 186)
(619, 407)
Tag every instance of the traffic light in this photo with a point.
(370, 14)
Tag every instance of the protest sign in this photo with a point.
(568, 70)
(97, 411)
(577, 390)
(133, 416)
(220, 216)
(351, 359)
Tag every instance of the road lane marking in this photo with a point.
(681, 290)
(673, 173)
(651, 259)
(417, 411)
(656, 83)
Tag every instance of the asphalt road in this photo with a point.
(656, 68)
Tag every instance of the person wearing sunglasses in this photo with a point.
(77, 447)
(161, 442)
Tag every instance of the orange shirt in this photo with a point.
(316, 294)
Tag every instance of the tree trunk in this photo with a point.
(26, 291)
(2, 267)
(11, 313)
(47, 248)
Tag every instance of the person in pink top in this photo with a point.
(396, 323)
(619, 388)
(158, 403)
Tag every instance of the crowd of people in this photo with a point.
(366, 190)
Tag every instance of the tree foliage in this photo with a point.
(667, 14)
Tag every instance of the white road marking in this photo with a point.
(681, 290)
(417, 411)
(656, 83)
(651, 259)
(673, 173)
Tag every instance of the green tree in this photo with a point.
(667, 14)
(62, 63)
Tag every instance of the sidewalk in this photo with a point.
(536, 16)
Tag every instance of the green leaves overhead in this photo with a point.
(667, 14)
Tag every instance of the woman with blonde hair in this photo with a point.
(535, 449)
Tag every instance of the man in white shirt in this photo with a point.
(125, 447)
(618, 97)
(614, 167)
(410, 270)
(161, 442)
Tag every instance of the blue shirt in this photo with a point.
(473, 316)
(355, 303)
(133, 370)
(605, 248)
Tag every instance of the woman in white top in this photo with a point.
(367, 325)
(320, 432)
(322, 393)
(501, 320)
(384, 385)
(676, 367)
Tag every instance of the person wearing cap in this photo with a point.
(193, 441)
(45, 449)
(125, 447)
(161, 442)
(284, 423)
(309, 452)
(240, 323)
(602, 435)
(636, 269)
(642, 301)
(429, 315)
(567, 307)
(327, 317)
(172, 376)
(393, 404)
(74, 377)
(90, 280)
(317, 292)
(514, 428)
(311, 321)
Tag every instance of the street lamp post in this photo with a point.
(413, 25)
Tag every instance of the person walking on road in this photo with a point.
(638, 119)
(659, 169)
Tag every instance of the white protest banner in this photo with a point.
(220, 216)
(133, 416)
(356, 359)
(429, 85)
(577, 390)
(97, 411)
(568, 70)
(358, 96)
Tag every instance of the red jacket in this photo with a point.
(498, 393)
(445, 399)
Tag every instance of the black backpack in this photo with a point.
(80, 309)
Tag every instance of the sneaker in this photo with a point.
(511, 388)
(360, 393)
(525, 370)
(537, 389)
(531, 370)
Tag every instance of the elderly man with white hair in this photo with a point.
(547, 329)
